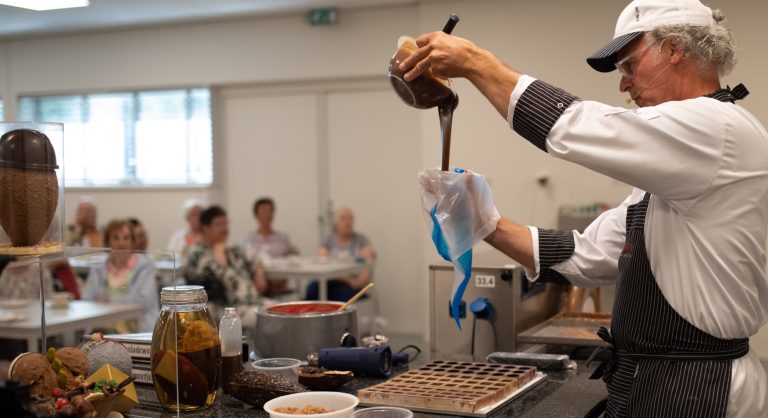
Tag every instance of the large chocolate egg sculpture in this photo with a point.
(29, 188)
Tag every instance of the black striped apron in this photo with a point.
(661, 365)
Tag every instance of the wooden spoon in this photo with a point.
(359, 294)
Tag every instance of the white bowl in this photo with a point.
(342, 404)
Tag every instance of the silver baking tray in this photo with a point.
(568, 328)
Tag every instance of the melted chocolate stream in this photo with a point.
(445, 112)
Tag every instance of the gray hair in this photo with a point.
(190, 204)
(709, 45)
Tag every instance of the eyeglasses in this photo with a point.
(625, 67)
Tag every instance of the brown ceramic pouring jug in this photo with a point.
(427, 90)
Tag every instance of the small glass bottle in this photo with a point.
(231, 336)
(186, 352)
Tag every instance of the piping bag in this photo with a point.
(459, 211)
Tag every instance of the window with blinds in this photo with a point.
(158, 137)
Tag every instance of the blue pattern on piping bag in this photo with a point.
(462, 266)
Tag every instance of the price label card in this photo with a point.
(485, 281)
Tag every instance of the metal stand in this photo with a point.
(44, 342)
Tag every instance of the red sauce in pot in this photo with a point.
(303, 308)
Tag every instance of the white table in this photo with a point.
(79, 314)
(168, 271)
(82, 265)
(306, 269)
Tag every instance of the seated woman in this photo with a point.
(140, 238)
(267, 243)
(344, 243)
(125, 277)
(229, 277)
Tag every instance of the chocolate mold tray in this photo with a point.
(452, 387)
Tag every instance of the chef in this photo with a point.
(686, 249)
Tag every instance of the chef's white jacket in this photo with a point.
(705, 162)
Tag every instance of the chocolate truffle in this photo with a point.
(74, 364)
(35, 370)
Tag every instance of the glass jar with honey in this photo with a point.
(186, 352)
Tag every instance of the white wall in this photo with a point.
(223, 52)
(546, 39)
(372, 139)
(4, 70)
(273, 156)
(160, 210)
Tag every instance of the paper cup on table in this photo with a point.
(60, 299)
(288, 367)
(383, 412)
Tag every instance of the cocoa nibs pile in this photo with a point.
(307, 410)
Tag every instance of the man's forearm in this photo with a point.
(494, 79)
(513, 240)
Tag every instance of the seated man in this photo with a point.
(84, 231)
(229, 277)
(344, 243)
(183, 239)
(265, 242)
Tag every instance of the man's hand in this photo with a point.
(465, 208)
(462, 204)
(448, 56)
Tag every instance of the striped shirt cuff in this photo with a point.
(554, 247)
(522, 84)
(533, 274)
(552, 276)
(537, 109)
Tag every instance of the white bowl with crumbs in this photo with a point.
(314, 404)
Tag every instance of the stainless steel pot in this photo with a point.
(294, 335)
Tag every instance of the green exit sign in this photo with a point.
(328, 16)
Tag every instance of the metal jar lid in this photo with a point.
(183, 295)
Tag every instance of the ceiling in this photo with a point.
(15, 22)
